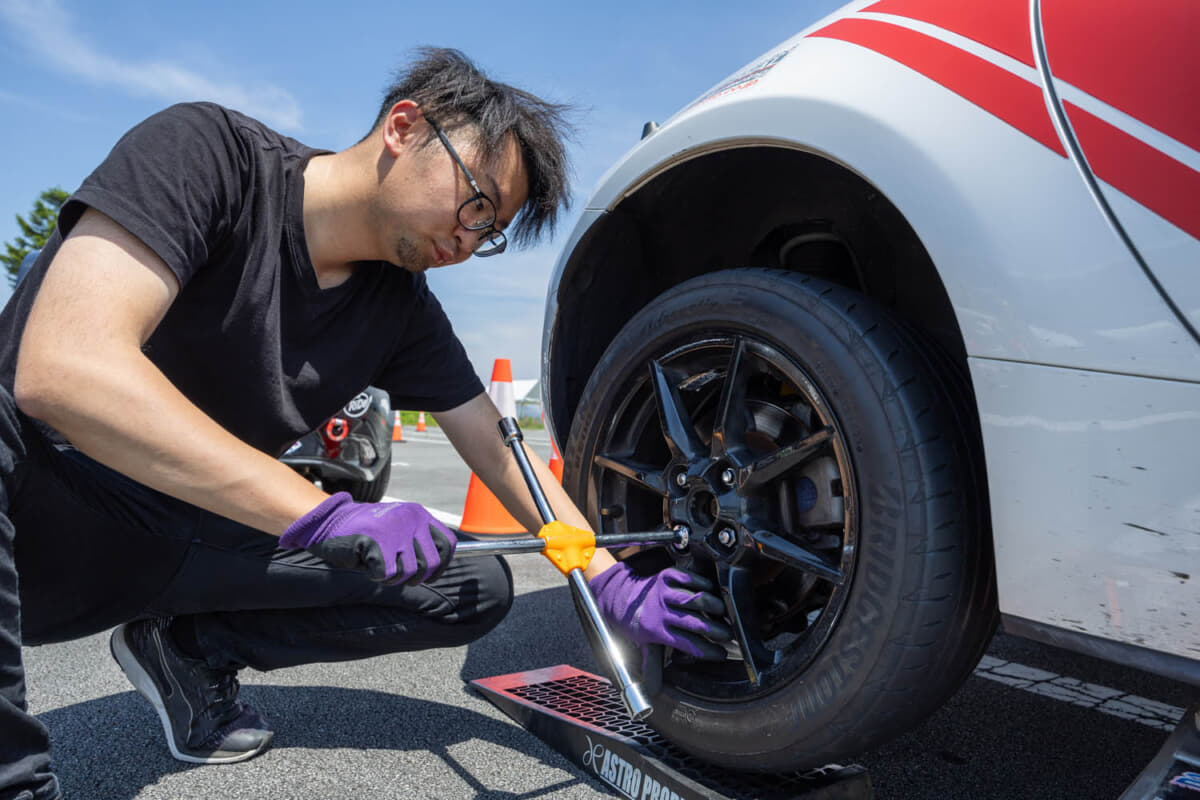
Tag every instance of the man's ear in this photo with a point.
(399, 126)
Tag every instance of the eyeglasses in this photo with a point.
(478, 213)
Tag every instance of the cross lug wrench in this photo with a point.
(570, 550)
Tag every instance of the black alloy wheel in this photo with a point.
(823, 462)
(728, 438)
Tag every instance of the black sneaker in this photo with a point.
(198, 706)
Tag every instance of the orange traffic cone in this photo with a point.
(483, 513)
(397, 428)
(420, 422)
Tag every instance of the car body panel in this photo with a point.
(1074, 312)
(1136, 123)
(1095, 504)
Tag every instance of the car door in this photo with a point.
(1126, 78)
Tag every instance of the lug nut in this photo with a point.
(727, 537)
(681, 479)
(727, 476)
(684, 535)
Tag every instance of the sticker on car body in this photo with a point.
(745, 79)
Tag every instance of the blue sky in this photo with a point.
(75, 75)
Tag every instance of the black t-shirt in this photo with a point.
(251, 338)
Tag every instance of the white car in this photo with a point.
(901, 323)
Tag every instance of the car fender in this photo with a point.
(988, 201)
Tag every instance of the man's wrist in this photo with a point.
(601, 562)
(308, 527)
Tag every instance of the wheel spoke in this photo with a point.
(785, 551)
(738, 594)
(644, 475)
(729, 430)
(676, 421)
(771, 466)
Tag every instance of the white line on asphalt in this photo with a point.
(1151, 713)
(438, 514)
(410, 439)
(425, 438)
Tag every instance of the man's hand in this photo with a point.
(671, 608)
(396, 543)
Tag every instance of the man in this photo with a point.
(215, 290)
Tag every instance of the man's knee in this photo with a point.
(484, 599)
(498, 588)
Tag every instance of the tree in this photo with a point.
(34, 231)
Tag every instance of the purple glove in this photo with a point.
(668, 608)
(391, 542)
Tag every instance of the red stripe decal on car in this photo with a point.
(1157, 181)
(1002, 25)
(1009, 97)
(1142, 58)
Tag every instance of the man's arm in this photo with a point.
(80, 368)
(472, 429)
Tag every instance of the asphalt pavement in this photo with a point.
(1032, 722)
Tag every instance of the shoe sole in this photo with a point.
(146, 687)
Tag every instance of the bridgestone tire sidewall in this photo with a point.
(910, 630)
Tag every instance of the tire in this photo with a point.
(838, 453)
(368, 491)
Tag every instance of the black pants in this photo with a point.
(93, 548)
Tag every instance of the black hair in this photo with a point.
(455, 93)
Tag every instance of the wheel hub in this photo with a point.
(707, 502)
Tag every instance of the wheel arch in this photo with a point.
(742, 204)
